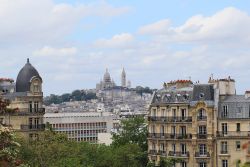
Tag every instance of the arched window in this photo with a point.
(36, 85)
(202, 114)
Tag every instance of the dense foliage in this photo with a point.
(129, 149)
(76, 95)
(140, 90)
(9, 148)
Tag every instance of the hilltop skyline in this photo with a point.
(71, 43)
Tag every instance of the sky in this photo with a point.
(72, 42)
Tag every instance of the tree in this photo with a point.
(9, 148)
(66, 97)
(169, 162)
(133, 131)
(77, 95)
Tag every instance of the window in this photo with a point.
(202, 129)
(202, 113)
(183, 149)
(183, 130)
(238, 127)
(36, 122)
(154, 112)
(174, 113)
(173, 148)
(183, 113)
(225, 111)
(30, 123)
(202, 149)
(162, 112)
(202, 164)
(153, 146)
(224, 163)
(223, 147)
(153, 128)
(36, 106)
(162, 147)
(30, 106)
(237, 145)
(173, 130)
(162, 130)
(224, 128)
(183, 164)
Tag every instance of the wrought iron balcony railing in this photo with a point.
(162, 152)
(169, 136)
(169, 119)
(202, 136)
(202, 154)
(181, 136)
(26, 111)
(233, 134)
(32, 127)
(153, 152)
(178, 154)
(224, 152)
(202, 118)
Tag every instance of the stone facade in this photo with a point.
(187, 121)
(25, 99)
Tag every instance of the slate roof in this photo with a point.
(24, 77)
(204, 92)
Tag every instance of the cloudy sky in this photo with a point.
(72, 42)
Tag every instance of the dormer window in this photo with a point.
(201, 95)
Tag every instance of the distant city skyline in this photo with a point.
(72, 42)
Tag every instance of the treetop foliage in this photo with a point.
(76, 95)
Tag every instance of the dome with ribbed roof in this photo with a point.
(25, 76)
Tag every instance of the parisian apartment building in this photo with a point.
(24, 102)
(200, 125)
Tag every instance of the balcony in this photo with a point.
(178, 154)
(233, 134)
(201, 118)
(202, 136)
(224, 152)
(162, 152)
(157, 135)
(38, 127)
(169, 119)
(153, 152)
(28, 111)
(169, 136)
(202, 155)
(181, 136)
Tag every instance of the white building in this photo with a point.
(80, 126)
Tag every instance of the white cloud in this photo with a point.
(119, 40)
(158, 27)
(50, 51)
(43, 20)
(229, 25)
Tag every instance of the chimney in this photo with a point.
(247, 94)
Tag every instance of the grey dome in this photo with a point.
(24, 77)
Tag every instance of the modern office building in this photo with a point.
(80, 126)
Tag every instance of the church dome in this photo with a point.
(24, 77)
(106, 77)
